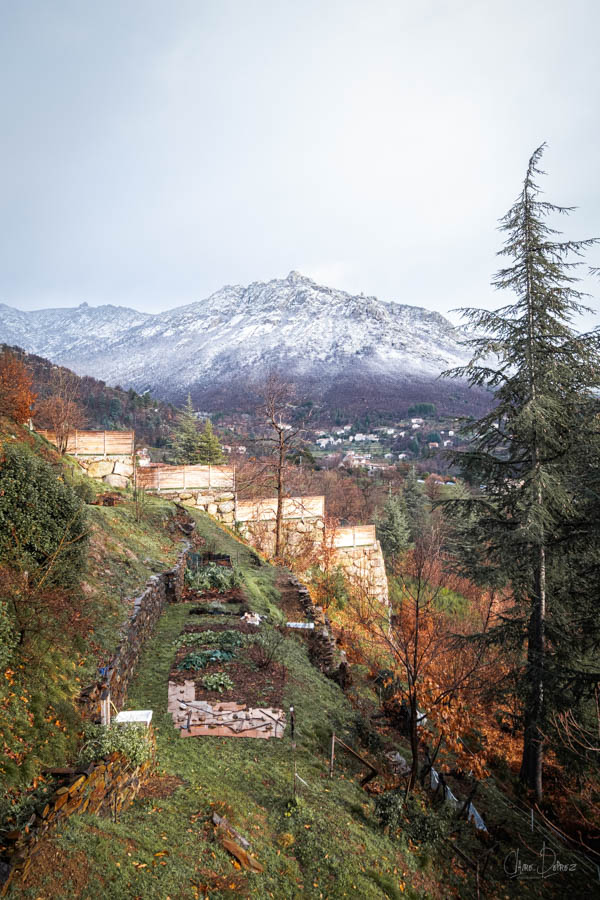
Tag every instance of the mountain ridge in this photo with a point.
(325, 339)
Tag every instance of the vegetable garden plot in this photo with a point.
(220, 686)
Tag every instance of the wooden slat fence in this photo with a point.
(181, 478)
(96, 443)
(265, 510)
(355, 536)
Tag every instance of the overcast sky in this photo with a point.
(152, 152)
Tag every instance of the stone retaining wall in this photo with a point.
(116, 471)
(110, 784)
(147, 608)
(217, 503)
(300, 536)
(323, 651)
(364, 567)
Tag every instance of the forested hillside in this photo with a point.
(97, 405)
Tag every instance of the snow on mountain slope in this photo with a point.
(311, 331)
(67, 332)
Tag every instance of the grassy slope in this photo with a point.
(327, 846)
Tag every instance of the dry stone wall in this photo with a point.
(147, 608)
(217, 503)
(110, 784)
(365, 567)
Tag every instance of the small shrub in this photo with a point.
(16, 807)
(266, 648)
(130, 740)
(388, 809)
(85, 491)
(219, 682)
(421, 824)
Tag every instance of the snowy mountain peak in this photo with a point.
(316, 334)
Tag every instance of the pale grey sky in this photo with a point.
(153, 151)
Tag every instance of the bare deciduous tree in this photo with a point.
(60, 410)
(276, 395)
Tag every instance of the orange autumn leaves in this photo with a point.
(16, 391)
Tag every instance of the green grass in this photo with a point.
(258, 577)
(327, 845)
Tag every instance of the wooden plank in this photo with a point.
(265, 509)
(96, 443)
(174, 478)
(354, 536)
(372, 774)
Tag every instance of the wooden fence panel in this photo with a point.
(96, 443)
(355, 536)
(265, 510)
(179, 478)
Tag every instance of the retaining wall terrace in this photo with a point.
(356, 549)
(365, 566)
(110, 784)
(147, 608)
(299, 535)
(216, 502)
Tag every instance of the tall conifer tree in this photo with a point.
(210, 450)
(393, 531)
(544, 375)
(185, 443)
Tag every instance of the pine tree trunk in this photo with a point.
(533, 744)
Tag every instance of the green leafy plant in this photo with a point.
(202, 658)
(130, 740)
(219, 682)
(212, 577)
(227, 640)
(42, 520)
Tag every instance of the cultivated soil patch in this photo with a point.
(236, 595)
(253, 686)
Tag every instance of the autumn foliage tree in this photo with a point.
(16, 392)
(61, 411)
(417, 642)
